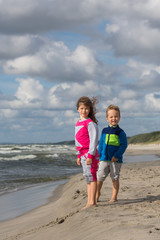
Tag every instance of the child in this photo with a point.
(112, 145)
(86, 141)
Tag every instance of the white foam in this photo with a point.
(18, 157)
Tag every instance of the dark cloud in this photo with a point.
(41, 16)
(17, 46)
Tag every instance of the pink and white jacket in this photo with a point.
(86, 138)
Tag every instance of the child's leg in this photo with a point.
(98, 192)
(115, 168)
(91, 190)
(102, 173)
(115, 190)
(92, 193)
(91, 178)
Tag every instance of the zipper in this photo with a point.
(108, 141)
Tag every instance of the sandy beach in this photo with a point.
(135, 216)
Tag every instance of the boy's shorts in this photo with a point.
(90, 171)
(106, 167)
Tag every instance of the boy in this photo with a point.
(112, 145)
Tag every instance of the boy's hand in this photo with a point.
(79, 161)
(114, 159)
(89, 161)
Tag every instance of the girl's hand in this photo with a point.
(89, 161)
(114, 159)
(79, 161)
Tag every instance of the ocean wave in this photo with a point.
(55, 155)
(18, 157)
(4, 152)
(34, 148)
(8, 150)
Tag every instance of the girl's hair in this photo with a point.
(91, 104)
(112, 107)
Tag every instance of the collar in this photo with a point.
(113, 126)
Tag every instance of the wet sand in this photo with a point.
(16, 203)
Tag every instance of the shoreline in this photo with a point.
(26, 199)
(143, 149)
(136, 212)
(40, 194)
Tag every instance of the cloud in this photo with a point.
(54, 51)
(36, 108)
(134, 39)
(32, 95)
(143, 77)
(128, 94)
(8, 113)
(153, 102)
(58, 15)
(29, 91)
(55, 61)
(16, 46)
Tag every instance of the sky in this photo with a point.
(54, 51)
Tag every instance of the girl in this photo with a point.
(86, 141)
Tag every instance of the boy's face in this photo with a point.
(113, 117)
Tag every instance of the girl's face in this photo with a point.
(83, 111)
(113, 117)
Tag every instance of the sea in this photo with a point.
(25, 165)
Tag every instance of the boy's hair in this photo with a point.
(91, 104)
(113, 107)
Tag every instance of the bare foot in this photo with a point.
(89, 205)
(85, 207)
(112, 201)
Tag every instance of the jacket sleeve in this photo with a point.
(93, 136)
(123, 145)
(100, 146)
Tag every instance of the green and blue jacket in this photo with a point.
(113, 142)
